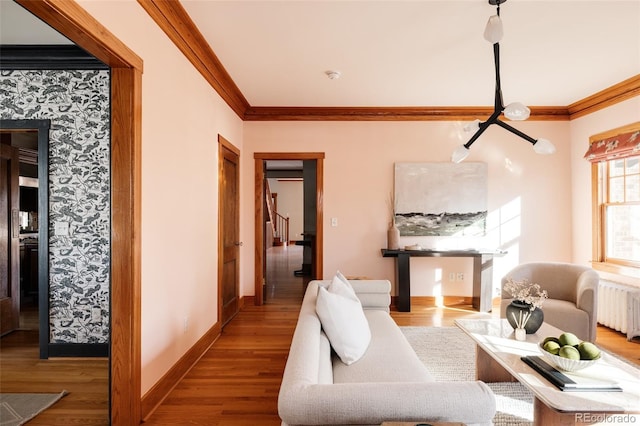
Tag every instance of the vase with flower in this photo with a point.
(524, 311)
(393, 233)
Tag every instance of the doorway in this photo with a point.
(126, 171)
(313, 234)
(28, 229)
(286, 271)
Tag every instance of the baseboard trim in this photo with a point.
(247, 300)
(74, 350)
(157, 394)
(431, 300)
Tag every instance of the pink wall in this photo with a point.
(181, 119)
(529, 195)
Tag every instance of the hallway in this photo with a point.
(282, 285)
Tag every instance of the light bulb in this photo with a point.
(474, 126)
(493, 31)
(544, 146)
(517, 111)
(459, 154)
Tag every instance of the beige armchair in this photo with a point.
(573, 295)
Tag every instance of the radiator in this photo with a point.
(619, 307)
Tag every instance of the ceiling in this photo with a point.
(404, 52)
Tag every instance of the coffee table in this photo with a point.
(498, 360)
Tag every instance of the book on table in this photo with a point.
(570, 382)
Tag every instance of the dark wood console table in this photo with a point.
(482, 274)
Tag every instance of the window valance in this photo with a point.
(622, 145)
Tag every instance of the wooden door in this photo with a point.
(9, 240)
(229, 231)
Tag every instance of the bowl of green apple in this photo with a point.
(567, 352)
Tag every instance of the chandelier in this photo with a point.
(515, 111)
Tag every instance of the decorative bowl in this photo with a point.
(566, 364)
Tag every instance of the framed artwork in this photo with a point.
(441, 199)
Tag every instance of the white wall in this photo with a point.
(529, 195)
(582, 128)
(181, 119)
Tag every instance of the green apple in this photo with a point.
(588, 350)
(550, 339)
(568, 351)
(569, 339)
(552, 347)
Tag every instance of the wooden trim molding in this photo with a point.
(633, 127)
(72, 21)
(390, 113)
(180, 28)
(258, 220)
(159, 392)
(126, 270)
(622, 91)
(449, 301)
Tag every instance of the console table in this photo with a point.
(482, 274)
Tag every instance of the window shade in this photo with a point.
(614, 147)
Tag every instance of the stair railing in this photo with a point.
(282, 228)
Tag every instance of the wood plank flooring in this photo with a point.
(86, 380)
(237, 381)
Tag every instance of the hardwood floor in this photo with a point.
(237, 380)
(86, 379)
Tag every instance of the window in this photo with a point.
(616, 194)
(621, 214)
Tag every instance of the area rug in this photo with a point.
(449, 354)
(18, 408)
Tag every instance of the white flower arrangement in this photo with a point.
(526, 292)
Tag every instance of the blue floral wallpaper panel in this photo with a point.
(78, 105)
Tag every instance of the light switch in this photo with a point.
(61, 229)
(334, 221)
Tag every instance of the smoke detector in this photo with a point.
(333, 75)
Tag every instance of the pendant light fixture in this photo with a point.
(515, 111)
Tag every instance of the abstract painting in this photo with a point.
(441, 199)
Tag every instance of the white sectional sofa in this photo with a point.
(388, 383)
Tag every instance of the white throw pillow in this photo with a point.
(344, 322)
(340, 285)
(344, 280)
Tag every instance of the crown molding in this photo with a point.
(390, 113)
(173, 19)
(176, 23)
(622, 91)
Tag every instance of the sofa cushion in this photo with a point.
(390, 357)
(343, 321)
(325, 367)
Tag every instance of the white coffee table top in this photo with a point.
(496, 337)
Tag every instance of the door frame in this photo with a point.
(222, 145)
(42, 127)
(72, 21)
(259, 256)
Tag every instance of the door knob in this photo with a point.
(238, 243)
